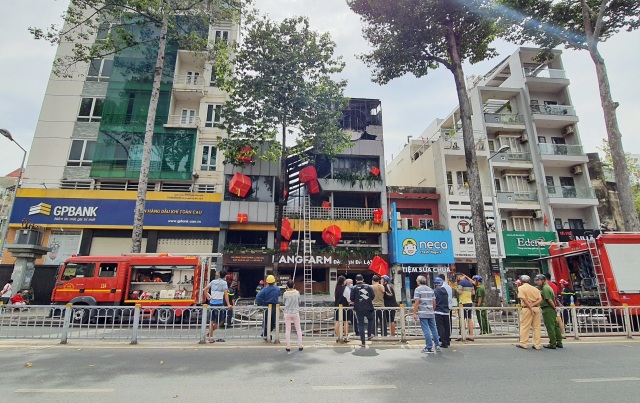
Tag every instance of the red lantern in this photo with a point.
(308, 173)
(332, 235)
(245, 155)
(243, 217)
(375, 171)
(326, 205)
(240, 184)
(379, 266)
(287, 229)
(377, 216)
(284, 246)
(285, 193)
(313, 187)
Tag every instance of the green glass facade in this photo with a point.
(118, 152)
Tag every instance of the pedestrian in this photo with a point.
(530, 316)
(549, 313)
(390, 304)
(424, 305)
(351, 317)
(362, 298)
(259, 287)
(378, 305)
(568, 299)
(217, 294)
(291, 301)
(465, 297)
(232, 286)
(446, 286)
(6, 292)
(479, 300)
(340, 299)
(268, 296)
(443, 322)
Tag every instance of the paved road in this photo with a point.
(478, 372)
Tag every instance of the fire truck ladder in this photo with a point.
(307, 254)
(597, 268)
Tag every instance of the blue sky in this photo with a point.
(409, 104)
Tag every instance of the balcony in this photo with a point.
(504, 118)
(182, 122)
(562, 155)
(188, 87)
(544, 73)
(541, 79)
(518, 198)
(519, 157)
(461, 190)
(571, 196)
(553, 116)
(334, 213)
(351, 185)
(561, 149)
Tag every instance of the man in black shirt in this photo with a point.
(362, 298)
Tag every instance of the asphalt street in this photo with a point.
(585, 371)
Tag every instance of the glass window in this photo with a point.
(90, 109)
(74, 270)
(214, 113)
(558, 223)
(108, 269)
(81, 153)
(523, 224)
(261, 189)
(209, 154)
(100, 70)
(576, 223)
(222, 35)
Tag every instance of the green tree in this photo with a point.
(156, 21)
(415, 36)
(582, 24)
(282, 85)
(633, 166)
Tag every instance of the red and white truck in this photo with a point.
(151, 280)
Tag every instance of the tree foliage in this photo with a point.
(633, 166)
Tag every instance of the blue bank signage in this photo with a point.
(422, 247)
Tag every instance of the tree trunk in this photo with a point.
(481, 239)
(281, 186)
(618, 158)
(138, 215)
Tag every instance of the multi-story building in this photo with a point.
(535, 183)
(81, 177)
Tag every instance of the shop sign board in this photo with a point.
(566, 235)
(422, 247)
(525, 243)
(246, 259)
(324, 261)
(463, 238)
(426, 269)
(63, 245)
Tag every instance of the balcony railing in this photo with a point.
(526, 196)
(544, 73)
(188, 80)
(333, 213)
(504, 118)
(183, 121)
(519, 157)
(460, 190)
(570, 192)
(558, 110)
(561, 149)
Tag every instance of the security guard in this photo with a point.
(549, 314)
(479, 301)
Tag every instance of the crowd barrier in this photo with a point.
(318, 324)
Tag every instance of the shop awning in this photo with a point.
(566, 254)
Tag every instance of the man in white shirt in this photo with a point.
(6, 292)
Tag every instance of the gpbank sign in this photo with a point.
(422, 247)
(525, 243)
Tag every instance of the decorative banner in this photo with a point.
(63, 245)
(525, 243)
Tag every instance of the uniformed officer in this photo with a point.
(549, 313)
(479, 301)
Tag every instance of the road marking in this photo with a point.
(64, 390)
(353, 387)
(588, 380)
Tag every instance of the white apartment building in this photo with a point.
(540, 185)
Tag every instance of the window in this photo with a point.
(90, 109)
(261, 189)
(104, 30)
(576, 223)
(409, 223)
(426, 223)
(221, 35)
(214, 113)
(492, 145)
(515, 146)
(568, 187)
(209, 154)
(558, 223)
(206, 188)
(542, 140)
(100, 70)
(551, 187)
(522, 224)
(108, 269)
(81, 153)
(192, 78)
(497, 184)
(462, 178)
(188, 117)
(74, 270)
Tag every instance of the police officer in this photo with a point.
(479, 301)
(549, 314)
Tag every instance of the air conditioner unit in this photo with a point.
(524, 138)
(531, 177)
(576, 170)
(537, 214)
(568, 130)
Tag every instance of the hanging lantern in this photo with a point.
(287, 229)
(285, 193)
(245, 155)
(313, 187)
(243, 217)
(379, 266)
(332, 235)
(326, 205)
(377, 216)
(375, 171)
(240, 185)
(284, 246)
(308, 173)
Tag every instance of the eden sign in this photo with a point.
(525, 243)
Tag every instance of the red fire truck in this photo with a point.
(603, 271)
(151, 280)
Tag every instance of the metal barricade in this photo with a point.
(28, 322)
(600, 321)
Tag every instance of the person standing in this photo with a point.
(391, 303)
(443, 323)
(351, 317)
(340, 299)
(479, 300)
(567, 298)
(6, 292)
(465, 296)
(291, 309)
(362, 298)
(424, 305)
(217, 294)
(549, 313)
(268, 296)
(446, 286)
(259, 287)
(530, 298)
(378, 302)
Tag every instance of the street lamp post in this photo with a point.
(5, 228)
(498, 221)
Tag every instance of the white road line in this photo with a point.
(64, 390)
(353, 387)
(589, 380)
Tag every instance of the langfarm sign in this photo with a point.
(422, 247)
(101, 208)
(525, 243)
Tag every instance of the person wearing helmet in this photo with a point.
(479, 300)
(530, 299)
(567, 298)
(465, 297)
(268, 296)
(549, 313)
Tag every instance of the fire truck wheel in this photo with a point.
(164, 316)
(80, 314)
